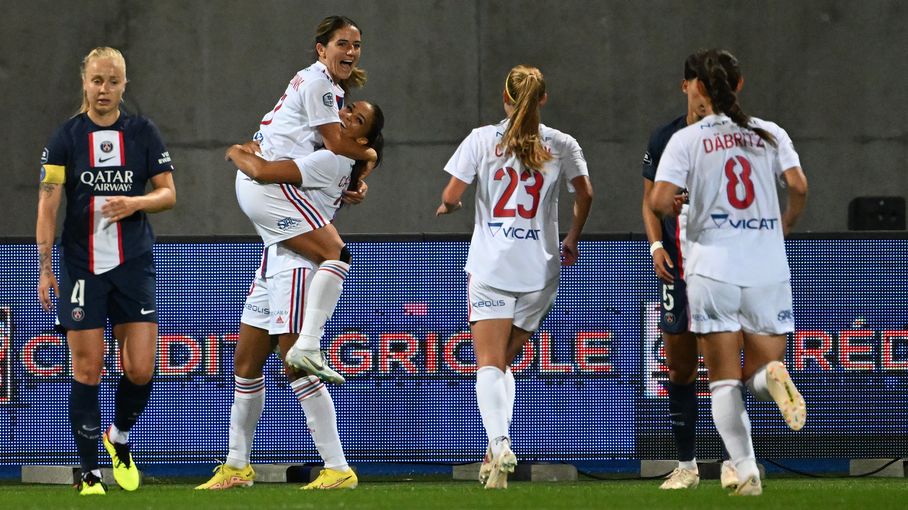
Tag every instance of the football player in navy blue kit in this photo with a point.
(103, 158)
(666, 241)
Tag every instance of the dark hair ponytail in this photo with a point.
(720, 74)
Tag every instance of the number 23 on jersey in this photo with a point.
(535, 179)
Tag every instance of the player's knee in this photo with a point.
(345, 255)
(140, 376)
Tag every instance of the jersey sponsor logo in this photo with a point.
(165, 158)
(106, 146)
(287, 223)
(143, 311)
(487, 303)
(785, 316)
(44, 156)
(722, 221)
(257, 309)
(108, 180)
(328, 99)
(647, 159)
(513, 232)
(105, 160)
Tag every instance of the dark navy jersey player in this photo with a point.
(666, 241)
(104, 159)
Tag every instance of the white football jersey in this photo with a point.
(515, 245)
(734, 224)
(312, 99)
(290, 131)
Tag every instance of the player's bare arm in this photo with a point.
(796, 183)
(50, 196)
(662, 263)
(269, 172)
(450, 197)
(338, 144)
(662, 199)
(583, 201)
(161, 198)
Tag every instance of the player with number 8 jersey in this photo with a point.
(514, 260)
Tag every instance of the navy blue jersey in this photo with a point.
(94, 163)
(657, 142)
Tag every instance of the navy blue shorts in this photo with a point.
(123, 294)
(673, 316)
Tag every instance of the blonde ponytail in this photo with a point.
(525, 87)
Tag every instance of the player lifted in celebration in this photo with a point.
(517, 165)
(666, 241)
(103, 158)
(293, 221)
(738, 281)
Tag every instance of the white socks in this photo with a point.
(116, 435)
(757, 385)
(491, 395)
(248, 402)
(321, 300)
(733, 424)
(510, 392)
(321, 419)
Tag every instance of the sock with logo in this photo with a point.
(321, 300)
(491, 396)
(757, 384)
(510, 387)
(321, 418)
(733, 424)
(129, 402)
(248, 402)
(682, 408)
(85, 420)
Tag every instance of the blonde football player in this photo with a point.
(514, 258)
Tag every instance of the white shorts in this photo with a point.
(276, 303)
(717, 306)
(527, 309)
(278, 211)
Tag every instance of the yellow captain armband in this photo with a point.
(53, 174)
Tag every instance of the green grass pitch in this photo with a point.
(782, 493)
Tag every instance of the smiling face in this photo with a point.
(341, 54)
(356, 121)
(103, 82)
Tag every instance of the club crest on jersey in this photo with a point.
(78, 314)
(106, 146)
(328, 99)
(498, 227)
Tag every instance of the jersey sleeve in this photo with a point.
(317, 97)
(788, 157)
(650, 159)
(465, 162)
(54, 159)
(674, 163)
(320, 169)
(158, 155)
(573, 163)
